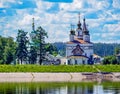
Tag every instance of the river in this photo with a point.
(60, 88)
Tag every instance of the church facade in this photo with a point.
(79, 48)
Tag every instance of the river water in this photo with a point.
(61, 88)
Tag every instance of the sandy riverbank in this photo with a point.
(49, 77)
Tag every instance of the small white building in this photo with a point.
(79, 48)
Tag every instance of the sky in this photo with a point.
(56, 16)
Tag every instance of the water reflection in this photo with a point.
(60, 88)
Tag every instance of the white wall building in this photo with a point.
(79, 48)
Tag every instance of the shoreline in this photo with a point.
(57, 77)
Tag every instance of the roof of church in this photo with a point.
(77, 40)
(96, 56)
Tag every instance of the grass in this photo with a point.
(48, 68)
(60, 68)
(108, 68)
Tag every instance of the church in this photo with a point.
(79, 48)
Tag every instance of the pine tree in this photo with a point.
(33, 55)
(38, 41)
(9, 50)
(51, 49)
(117, 51)
(22, 52)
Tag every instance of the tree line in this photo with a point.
(7, 50)
(105, 49)
(27, 50)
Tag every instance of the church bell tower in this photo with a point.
(79, 29)
(86, 35)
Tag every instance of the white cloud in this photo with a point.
(56, 33)
(116, 4)
(8, 33)
(5, 32)
(108, 35)
(11, 1)
(115, 28)
(106, 41)
(1, 5)
(6, 3)
(116, 17)
(41, 5)
(19, 2)
(76, 5)
(26, 20)
(99, 4)
(94, 25)
(58, 24)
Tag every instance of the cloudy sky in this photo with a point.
(55, 16)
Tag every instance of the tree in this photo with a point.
(33, 55)
(9, 51)
(8, 57)
(117, 53)
(110, 60)
(117, 50)
(22, 41)
(1, 51)
(113, 60)
(61, 47)
(39, 43)
(51, 49)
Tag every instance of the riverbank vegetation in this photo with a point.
(50, 68)
(60, 68)
(108, 68)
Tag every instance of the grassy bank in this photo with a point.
(60, 68)
(50, 68)
(108, 68)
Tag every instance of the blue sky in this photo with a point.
(55, 16)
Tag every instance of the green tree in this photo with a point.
(8, 57)
(9, 50)
(113, 60)
(3, 42)
(105, 49)
(22, 41)
(110, 60)
(117, 53)
(38, 41)
(32, 55)
(1, 51)
(51, 49)
(61, 47)
(117, 50)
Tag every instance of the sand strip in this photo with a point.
(48, 77)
